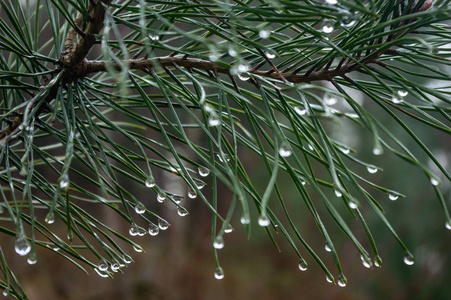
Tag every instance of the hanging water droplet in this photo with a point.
(352, 205)
(213, 120)
(242, 68)
(332, 2)
(366, 262)
(264, 221)
(302, 265)
(103, 265)
(338, 193)
(378, 150)
(219, 273)
(245, 220)
(192, 193)
(134, 229)
(218, 242)
(448, 225)
(327, 247)
(101, 274)
(328, 25)
(163, 224)
(270, 55)
(285, 150)
(228, 229)
(329, 278)
(64, 182)
(345, 150)
(397, 99)
(232, 52)
(141, 231)
(226, 157)
(182, 211)
(378, 261)
(127, 259)
(138, 249)
(199, 183)
(303, 182)
(115, 267)
(50, 218)
(392, 195)
(6, 292)
(243, 77)
(150, 182)
(177, 199)
(140, 208)
(213, 56)
(434, 181)
(31, 260)
(408, 259)
(330, 99)
(371, 169)
(310, 147)
(264, 34)
(342, 281)
(204, 172)
(403, 93)
(161, 197)
(154, 37)
(22, 246)
(153, 229)
(347, 19)
(300, 110)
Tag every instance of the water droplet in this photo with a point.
(243, 77)
(434, 181)
(329, 279)
(397, 99)
(345, 150)
(226, 157)
(192, 193)
(327, 247)
(371, 169)
(338, 193)
(182, 211)
(6, 292)
(204, 172)
(270, 55)
(342, 281)
(347, 19)
(127, 259)
(177, 198)
(328, 26)
(285, 150)
(408, 259)
(448, 225)
(64, 182)
(219, 273)
(245, 220)
(378, 261)
(403, 93)
(134, 229)
(332, 2)
(138, 249)
(310, 147)
(140, 208)
(101, 274)
(242, 68)
(154, 37)
(392, 195)
(50, 218)
(31, 260)
(218, 242)
(199, 183)
(378, 151)
(153, 229)
(141, 231)
(163, 224)
(213, 120)
(366, 262)
(228, 229)
(161, 197)
(232, 52)
(330, 99)
(22, 246)
(150, 182)
(300, 110)
(264, 34)
(264, 221)
(103, 265)
(213, 56)
(302, 265)
(115, 267)
(352, 205)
